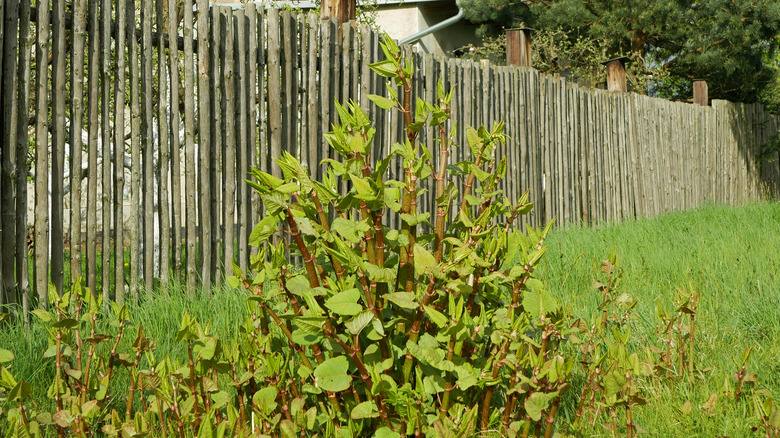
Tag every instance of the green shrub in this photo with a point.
(402, 331)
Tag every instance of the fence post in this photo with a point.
(518, 47)
(700, 93)
(616, 74)
(343, 10)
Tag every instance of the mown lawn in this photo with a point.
(730, 255)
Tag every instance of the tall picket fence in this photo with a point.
(129, 128)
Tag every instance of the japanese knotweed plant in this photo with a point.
(437, 327)
(611, 366)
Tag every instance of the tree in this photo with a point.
(726, 42)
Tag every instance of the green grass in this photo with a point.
(730, 255)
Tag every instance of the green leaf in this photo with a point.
(450, 193)
(345, 303)
(63, 418)
(331, 375)
(65, 323)
(264, 400)
(6, 378)
(265, 178)
(90, 409)
(473, 138)
(310, 324)
(358, 322)
(386, 68)
(275, 202)
(404, 300)
(287, 428)
(363, 188)
(381, 101)
(263, 230)
(774, 419)
(350, 230)
(437, 317)
(614, 382)
(206, 348)
(434, 384)
(302, 337)
(6, 355)
(206, 429)
(233, 281)
(415, 219)
(288, 188)
(379, 275)
(538, 301)
(20, 391)
(423, 260)
(42, 314)
(538, 402)
(386, 432)
(367, 409)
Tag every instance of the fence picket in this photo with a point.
(135, 157)
(242, 139)
(22, 150)
(189, 144)
(8, 66)
(119, 151)
(177, 218)
(229, 163)
(204, 162)
(163, 170)
(42, 155)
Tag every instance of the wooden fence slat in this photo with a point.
(105, 149)
(58, 145)
(134, 227)
(242, 138)
(289, 86)
(347, 37)
(204, 161)
(177, 217)
(22, 148)
(574, 145)
(8, 46)
(313, 98)
(250, 206)
(262, 147)
(119, 151)
(229, 93)
(274, 88)
(163, 171)
(42, 157)
(189, 145)
(325, 98)
(148, 144)
(4, 186)
(215, 141)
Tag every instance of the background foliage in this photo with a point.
(731, 44)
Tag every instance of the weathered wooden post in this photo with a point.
(700, 96)
(616, 74)
(344, 10)
(518, 47)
